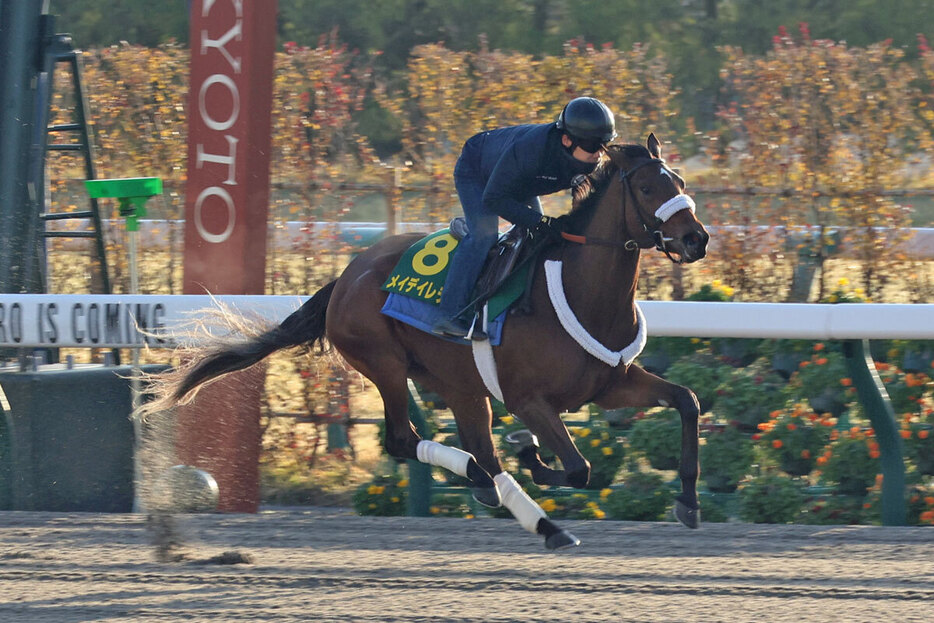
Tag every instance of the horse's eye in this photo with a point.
(645, 190)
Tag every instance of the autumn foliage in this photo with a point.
(814, 132)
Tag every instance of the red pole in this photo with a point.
(226, 209)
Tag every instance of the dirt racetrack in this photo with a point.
(330, 565)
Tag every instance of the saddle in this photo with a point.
(514, 248)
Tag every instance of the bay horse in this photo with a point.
(633, 201)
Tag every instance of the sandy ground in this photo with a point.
(330, 565)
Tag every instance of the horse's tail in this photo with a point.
(206, 363)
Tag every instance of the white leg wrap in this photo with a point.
(435, 453)
(523, 508)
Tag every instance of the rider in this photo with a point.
(502, 173)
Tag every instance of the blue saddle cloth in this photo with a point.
(422, 315)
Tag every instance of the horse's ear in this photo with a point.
(655, 147)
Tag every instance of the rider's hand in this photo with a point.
(552, 226)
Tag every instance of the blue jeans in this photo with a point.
(472, 251)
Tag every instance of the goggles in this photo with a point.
(591, 146)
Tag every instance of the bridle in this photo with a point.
(630, 244)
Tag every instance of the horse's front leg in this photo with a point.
(543, 421)
(637, 388)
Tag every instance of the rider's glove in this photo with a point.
(551, 226)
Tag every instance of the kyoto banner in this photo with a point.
(226, 208)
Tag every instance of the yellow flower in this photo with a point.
(599, 514)
(594, 443)
(583, 432)
(375, 490)
(695, 340)
(605, 493)
(607, 451)
(468, 516)
(394, 499)
(507, 420)
(434, 510)
(549, 505)
(843, 282)
(404, 483)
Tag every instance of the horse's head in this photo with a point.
(656, 211)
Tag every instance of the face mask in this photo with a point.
(577, 166)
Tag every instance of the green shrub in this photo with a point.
(725, 457)
(599, 445)
(702, 373)
(385, 495)
(748, 395)
(851, 461)
(643, 497)
(770, 498)
(658, 437)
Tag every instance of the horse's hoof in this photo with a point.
(488, 496)
(688, 516)
(520, 440)
(561, 540)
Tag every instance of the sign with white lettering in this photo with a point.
(227, 192)
(119, 321)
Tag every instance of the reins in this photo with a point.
(631, 245)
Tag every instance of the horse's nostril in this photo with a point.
(695, 240)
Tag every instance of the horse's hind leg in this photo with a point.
(403, 442)
(474, 427)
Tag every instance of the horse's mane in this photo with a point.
(588, 193)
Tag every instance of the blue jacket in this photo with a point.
(518, 164)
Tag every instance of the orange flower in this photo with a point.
(821, 361)
(927, 516)
(819, 346)
(924, 433)
(775, 414)
(804, 364)
(874, 454)
(792, 426)
(906, 434)
(777, 443)
(929, 500)
(846, 381)
(867, 505)
(821, 460)
(756, 436)
(805, 454)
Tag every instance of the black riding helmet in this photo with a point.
(588, 122)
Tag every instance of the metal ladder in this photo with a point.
(59, 49)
